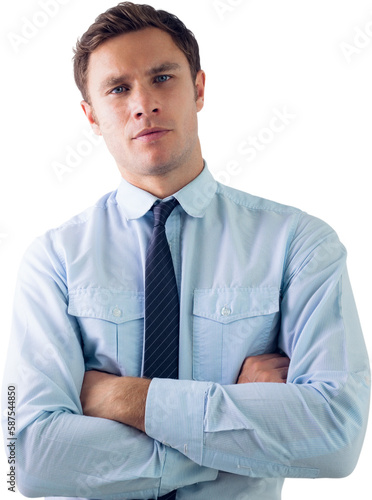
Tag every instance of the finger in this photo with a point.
(281, 362)
(273, 376)
(267, 356)
(284, 373)
(272, 357)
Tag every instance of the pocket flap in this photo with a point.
(116, 306)
(230, 304)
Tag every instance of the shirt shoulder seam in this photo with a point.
(83, 216)
(277, 207)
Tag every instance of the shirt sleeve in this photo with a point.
(312, 426)
(61, 452)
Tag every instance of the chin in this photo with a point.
(160, 163)
(160, 169)
(159, 166)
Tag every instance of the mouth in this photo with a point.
(151, 134)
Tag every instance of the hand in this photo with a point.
(264, 368)
(108, 396)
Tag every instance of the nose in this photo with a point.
(144, 104)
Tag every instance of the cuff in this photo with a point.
(179, 471)
(175, 415)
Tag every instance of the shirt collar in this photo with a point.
(194, 197)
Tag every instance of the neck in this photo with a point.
(168, 183)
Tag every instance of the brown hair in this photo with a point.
(124, 18)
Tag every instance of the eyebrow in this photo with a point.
(117, 80)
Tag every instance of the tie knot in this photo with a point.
(162, 211)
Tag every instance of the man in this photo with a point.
(254, 280)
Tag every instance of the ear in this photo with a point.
(199, 90)
(89, 113)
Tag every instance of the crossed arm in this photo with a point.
(311, 426)
(123, 399)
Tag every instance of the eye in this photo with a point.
(162, 78)
(118, 90)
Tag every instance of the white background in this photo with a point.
(261, 57)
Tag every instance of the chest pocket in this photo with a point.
(230, 324)
(111, 324)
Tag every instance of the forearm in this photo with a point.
(261, 429)
(312, 426)
(61, 452)
(224, 427)
(122, 399)
(98, 457)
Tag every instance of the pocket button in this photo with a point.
(225, 311)
(116, 312)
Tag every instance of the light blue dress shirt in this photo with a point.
(253, 276)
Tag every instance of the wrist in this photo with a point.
(129, 404)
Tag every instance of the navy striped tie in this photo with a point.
(161, 301)
(161, 305)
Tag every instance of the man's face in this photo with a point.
(144, 103)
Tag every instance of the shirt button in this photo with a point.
(226, 311)
(116, 312)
